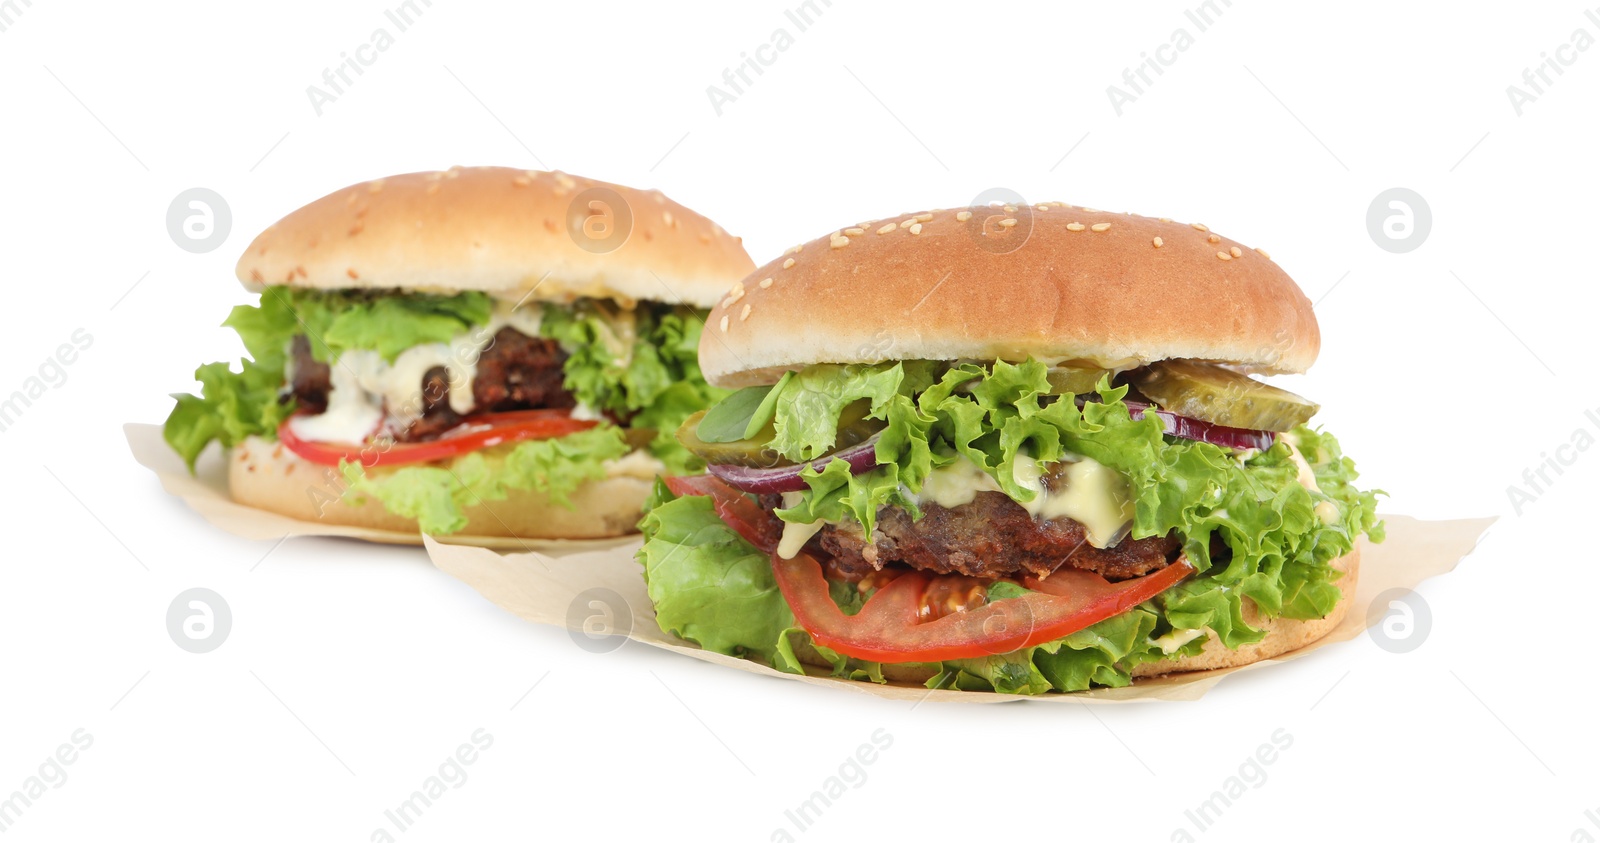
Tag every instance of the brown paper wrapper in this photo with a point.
(206, 492)
(544, 589)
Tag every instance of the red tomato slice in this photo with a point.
(474, 433)
(888, 628)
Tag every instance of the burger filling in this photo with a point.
(1022, 527)
(431, 402)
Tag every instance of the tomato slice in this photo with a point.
(889, 629)
(473, 434)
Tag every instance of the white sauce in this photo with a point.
(795, 535)
(1307, 477)
(365, 387)
(1174, 640)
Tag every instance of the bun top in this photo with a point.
(511, 233)
(1049, 281)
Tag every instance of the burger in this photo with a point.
(1016, 449)
(480, 351)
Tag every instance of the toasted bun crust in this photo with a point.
(268, 476)
(975, 288)
(502, 231)
(1282, 635)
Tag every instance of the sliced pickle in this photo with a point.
(1075, 380)
(1221, 396)
(854, 428)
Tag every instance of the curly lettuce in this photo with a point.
(1279, 544)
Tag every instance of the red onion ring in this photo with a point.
(761, 481)
(1184, 427)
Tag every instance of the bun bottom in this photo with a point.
(1282, 635)
(268, 476)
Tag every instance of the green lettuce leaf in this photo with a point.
(437, 496)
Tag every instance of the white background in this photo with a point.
(353, 671)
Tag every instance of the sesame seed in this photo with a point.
(666, 218)
(908, 223)
(725, 302)
(744, 314)
(1100, 226)
(1213, 239)
(1198, 226)
(1094, 210)
(1042, 207)
(351, 199)
(375, 185)
(661, 198)
(839, 242)
(433, 176)
(1264, 254)
(1235, 252)
(737, 292)
(1074, 226)
(1157, 242)
(855, 232)
(1011, 209)
(788, 263)
(1225, 256)
(924, 217)
(1163, 219)
(565, 181)
(765, 283)
(916, 228)
(452, 172)
(963, 216)
(795, 250)
(724, 323)
(522, 181)
(433, 188)
(887, 227)
(1008, 222)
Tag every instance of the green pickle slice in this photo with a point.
(854, 428)
(1222, 396)
(1075, 380)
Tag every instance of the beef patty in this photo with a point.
(516, 372)
(993, 536)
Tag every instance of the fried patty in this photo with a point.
(515, 372)
(993, 536)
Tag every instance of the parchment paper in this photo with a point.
(206, 492)
(543, 589)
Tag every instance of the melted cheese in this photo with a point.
(956, 484)
(365, 387)
(1094, 496)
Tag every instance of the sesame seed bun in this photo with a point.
(268, 476)
(508, 232)
(1282, 635)
(1050, 281)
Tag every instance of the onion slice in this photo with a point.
(761, 481)
(1184, 427)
